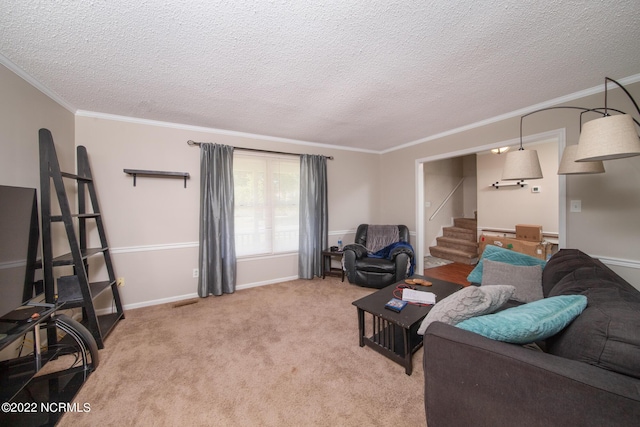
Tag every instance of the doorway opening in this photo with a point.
(557, 183)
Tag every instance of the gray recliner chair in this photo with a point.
(364, 269)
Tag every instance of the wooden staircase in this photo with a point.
(458, 243)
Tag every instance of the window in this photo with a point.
(267, 198)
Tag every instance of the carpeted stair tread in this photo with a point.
(468, 223)
(453, 243)
(458, 243)
(459, 233)
(454, 255)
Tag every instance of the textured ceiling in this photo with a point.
(363, 74)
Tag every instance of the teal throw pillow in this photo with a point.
(530, 322)
(496, 253)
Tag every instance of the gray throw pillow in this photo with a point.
(467, 303)
(526, 279)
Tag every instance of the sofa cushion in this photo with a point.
(527, 279)
(466, 303)
(530, 322)
(607, 336)
(495, 253)
(567, 261)
(607, 333)
(376, 265)
(594, 279)
(560, 264)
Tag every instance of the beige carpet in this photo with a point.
(280, 355)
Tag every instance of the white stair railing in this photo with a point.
(444, 202)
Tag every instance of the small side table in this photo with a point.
(327, 270)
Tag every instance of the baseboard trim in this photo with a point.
(266, 282)
(177, 298)
(153, 302)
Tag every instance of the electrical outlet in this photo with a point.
(196, 272)
(120, 282)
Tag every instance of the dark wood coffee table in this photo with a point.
(395, 335)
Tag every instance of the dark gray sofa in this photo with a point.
(586, 375)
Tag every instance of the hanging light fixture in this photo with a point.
(605, 138)
(569, 166)
(609, 137)
(521, 164)
(500, 150)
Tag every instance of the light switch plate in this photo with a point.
(576, 206)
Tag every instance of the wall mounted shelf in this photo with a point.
(158, 174)
(499, 184)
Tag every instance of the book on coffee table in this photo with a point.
(420, 297)
(395, 304)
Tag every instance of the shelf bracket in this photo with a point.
(499, 184)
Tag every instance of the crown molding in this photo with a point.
(35, 83)
(551, 103)
(215, 131)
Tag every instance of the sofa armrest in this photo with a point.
(403, 249)
(472, 380)
(358, 250)
(352, 253)
(402, 261)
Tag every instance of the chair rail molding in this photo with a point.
(619, 262)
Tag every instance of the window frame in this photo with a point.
(270, 204)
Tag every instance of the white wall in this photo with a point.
(153, 227)
(440, 178)
(607, 227)
(23, 111)
(470, 185)
(505, 207)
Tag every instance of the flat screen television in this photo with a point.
(19, 247)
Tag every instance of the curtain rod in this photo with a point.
(194, 143)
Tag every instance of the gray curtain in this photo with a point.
(313, 215)
(217, 259)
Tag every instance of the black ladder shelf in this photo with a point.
(79, 253)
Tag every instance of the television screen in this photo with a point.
(19, 237)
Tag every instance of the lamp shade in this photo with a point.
(608, 138)
(569, 166)
(521, 164)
